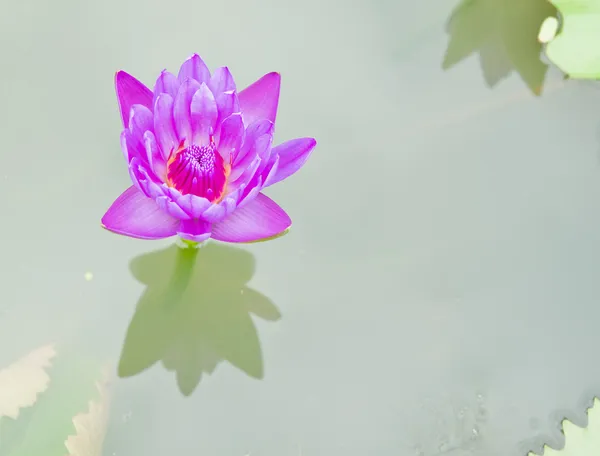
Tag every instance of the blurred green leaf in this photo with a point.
(576, 49)
(580, 441)
(504, 33)
(24, 380)
(91, 425)
(43, 429)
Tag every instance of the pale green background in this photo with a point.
(439, 289)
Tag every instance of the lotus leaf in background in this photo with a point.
(576, 48)
(579, 441)
(22, 382)
(44, 427)
(91, 425)
(504, 33)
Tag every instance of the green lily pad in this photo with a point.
(580, 441)
(576, 49)
(504, 34)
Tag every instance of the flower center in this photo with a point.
(198, 170)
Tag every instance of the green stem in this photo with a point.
(185, 261)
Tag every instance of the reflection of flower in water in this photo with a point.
(504, 33)
(195, 313)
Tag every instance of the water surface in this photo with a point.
(437, 294)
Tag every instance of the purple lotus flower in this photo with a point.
(199, 155)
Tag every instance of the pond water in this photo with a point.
(437, 294)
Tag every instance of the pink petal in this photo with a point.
(157, 191)
(137, 177)
(194, 68)
(193, 205)
(172, 208)
(181, 109)
(132, 139)
(261, 218)
(292, 156)
(244, 175)
(130, 147)
(250, 149)
(253, 131)
(203, 109)
(251, 191)
(155, 158)
(144, 178)
(133, 214)
(164, 125)
(221, 81)
(166, 83)
(140, 121)
(263, 149)
(259, 100)
(214, 213)
(130, 91)
(232, 135)
(194, 230)
(218, 211)
(164, 196)
(270, 170)
(227, 104)
(254, 181)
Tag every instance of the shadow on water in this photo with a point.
(504, 32)
(195, 313)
